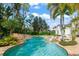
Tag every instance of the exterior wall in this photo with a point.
(58, 31)
(67, 31)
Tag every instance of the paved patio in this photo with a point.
(3, 49)
(72, 50)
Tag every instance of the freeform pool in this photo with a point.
(36, 46)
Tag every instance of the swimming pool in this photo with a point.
(36, 46)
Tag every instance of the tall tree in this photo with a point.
(39, 24)
(74, 21)
(11, 25)
(16, 9)
(61, 9)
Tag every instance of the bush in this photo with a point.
(1, 35)
(47, 33)
(3, 43)
(41, 33)
(8, 40)
(69, 43)
(44, 33)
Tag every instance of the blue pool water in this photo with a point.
(36, 46)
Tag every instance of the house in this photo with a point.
(58, 30)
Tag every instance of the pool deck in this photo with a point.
(72, 50)
(3, 49)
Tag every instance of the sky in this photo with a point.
(40, 9)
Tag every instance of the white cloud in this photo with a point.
(35, 14)
(32, 4)
(44, 15)
(36, 7)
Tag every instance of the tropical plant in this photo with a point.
(21, 17)
(61, 9)
(11, 25)
(39, 24)
(8, 40)
(36, 23)
(75, 27)
(75, 21)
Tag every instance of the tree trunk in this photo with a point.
(11, 31)
(73, 36)
(74, 31)
(62, 26)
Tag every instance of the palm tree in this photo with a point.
(75, 22)
(25, 7)
(7, 11)
(16, 9)
(61, 9)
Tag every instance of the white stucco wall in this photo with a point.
(57, 30)
(67, 31)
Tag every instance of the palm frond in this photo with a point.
(49, 5)
(62, 6)
(55, 13)
(26, 6)
(71, 8)
(52, 5)
(75, 19)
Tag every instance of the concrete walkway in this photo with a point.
(3, 49)
(72, 50)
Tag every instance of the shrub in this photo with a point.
(69, 43)
(1, 35)
(44, 33)
(8, 40)
(47, 33)
(41, 33)
(3, 43)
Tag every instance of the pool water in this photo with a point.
(36, 46)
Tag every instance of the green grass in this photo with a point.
(69, 43)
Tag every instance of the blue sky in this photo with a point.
(40, 9)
